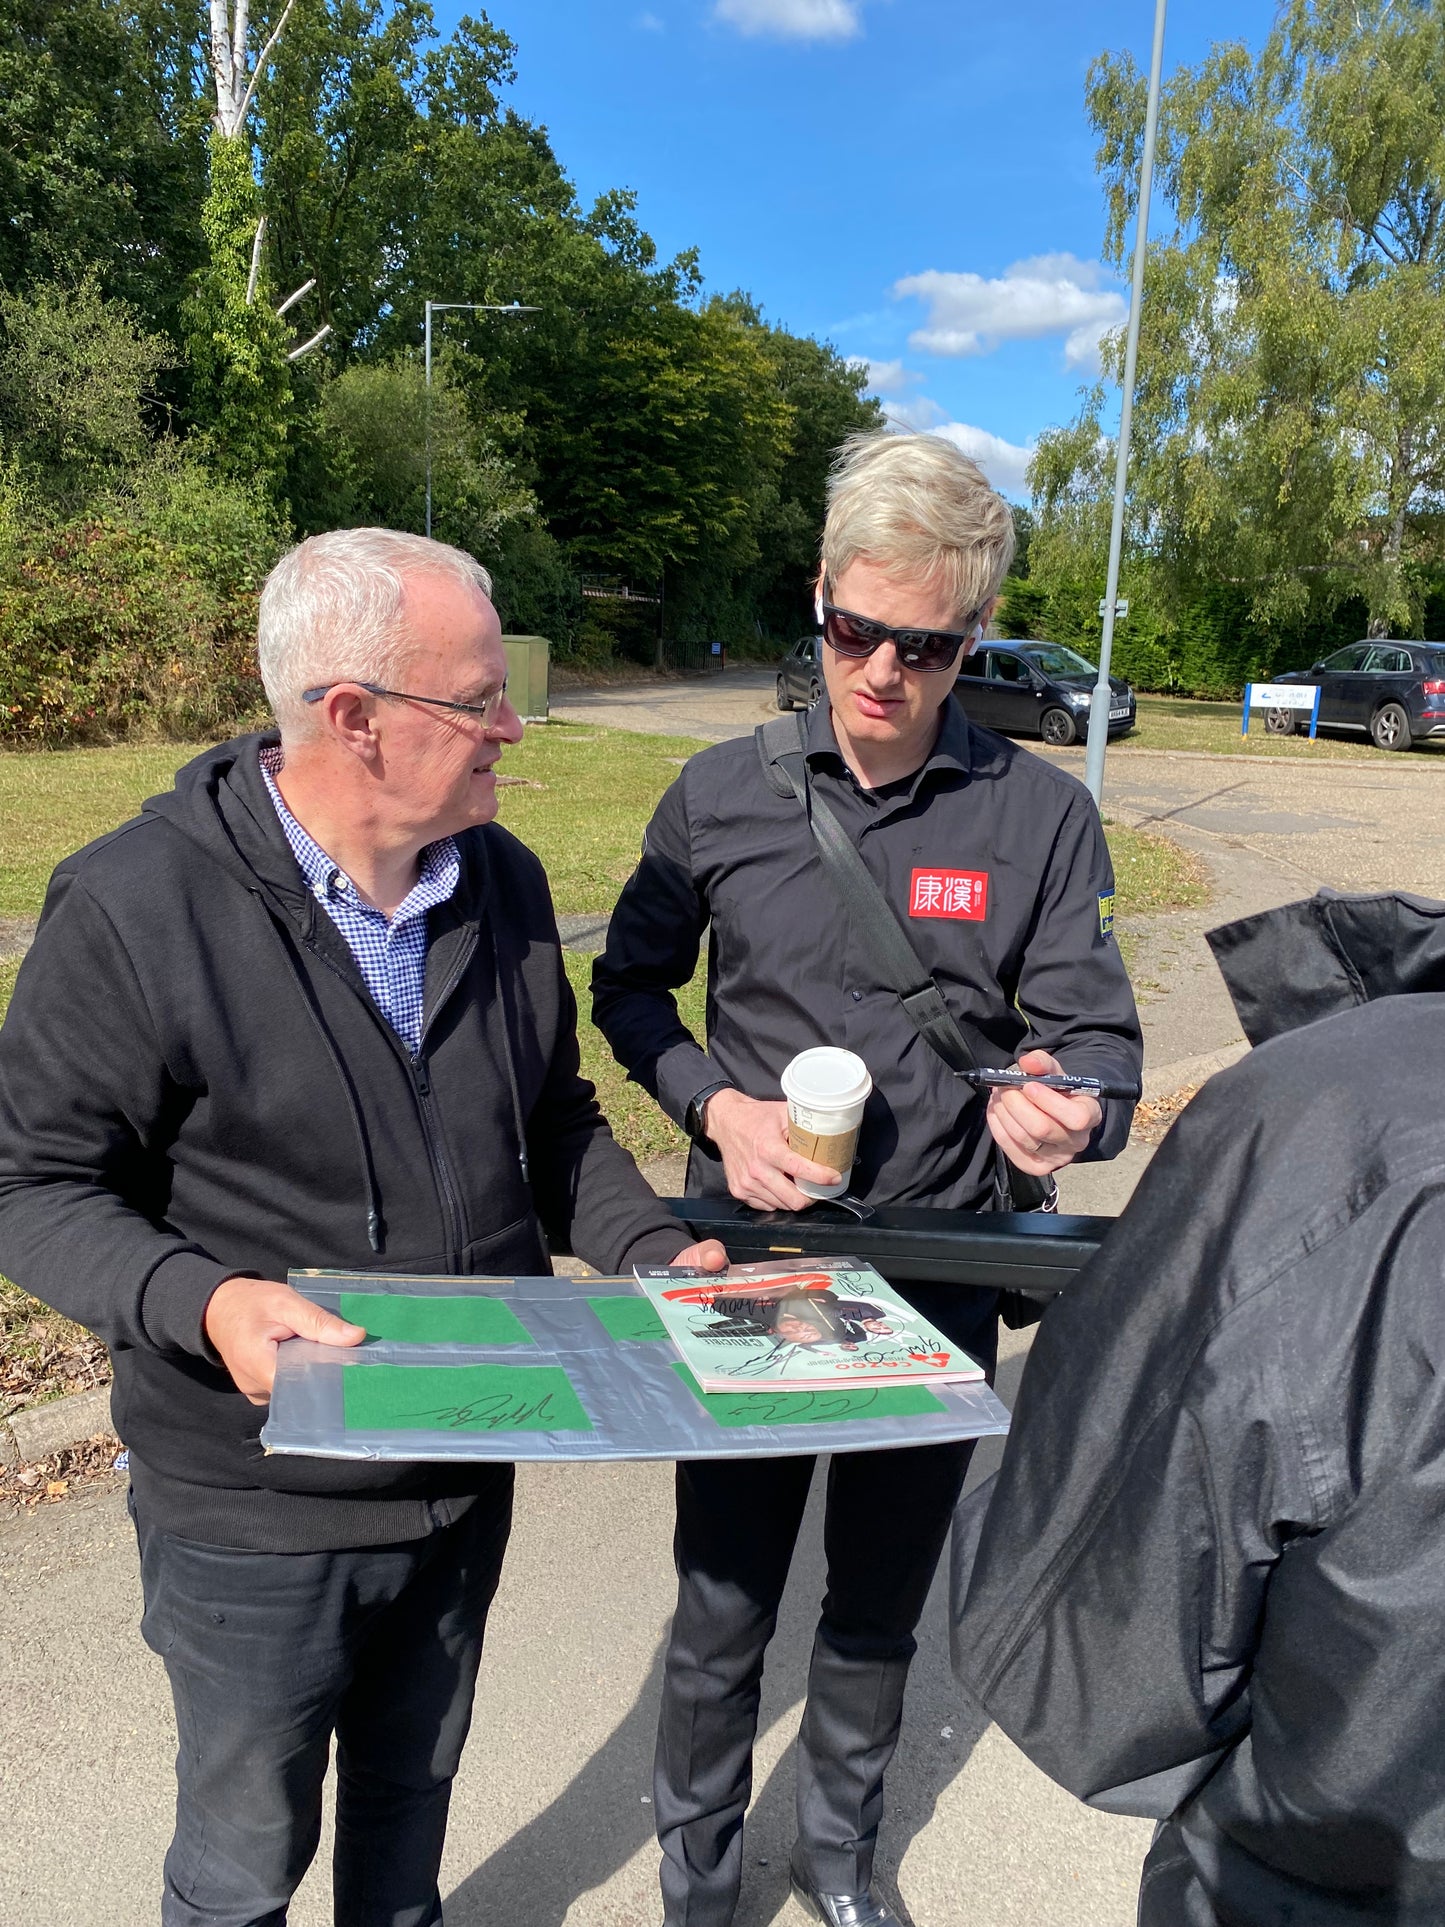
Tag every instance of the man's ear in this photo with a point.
(348, 716)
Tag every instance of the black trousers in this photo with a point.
(271, 1654)
(887, 1518)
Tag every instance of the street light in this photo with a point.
(438, 307)
(1099, 708)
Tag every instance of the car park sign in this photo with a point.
(1282, 695)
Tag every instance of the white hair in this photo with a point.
(334, 610)
(921, 510)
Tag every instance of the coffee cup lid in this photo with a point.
(826, 1077)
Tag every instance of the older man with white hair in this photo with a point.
(309, 1009)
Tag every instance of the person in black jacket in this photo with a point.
(1208, 1585)
(309, 1009)
(994, 863)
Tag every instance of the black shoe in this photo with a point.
(842, 1910)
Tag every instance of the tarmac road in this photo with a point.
(551, 1825)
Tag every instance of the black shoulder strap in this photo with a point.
(780, 749)
(780, 738)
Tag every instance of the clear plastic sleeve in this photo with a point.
(576, 1384)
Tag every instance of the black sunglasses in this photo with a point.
(930, 650)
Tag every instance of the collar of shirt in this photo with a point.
(439, 864)
(951, 753)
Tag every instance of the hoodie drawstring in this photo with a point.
(375, 1231)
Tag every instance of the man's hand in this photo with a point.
(247, 1318)
(758, 1161)
(708, 1256)
(1042, 1130)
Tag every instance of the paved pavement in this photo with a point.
(551, 1826)
(713, 708)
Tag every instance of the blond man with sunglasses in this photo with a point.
(993, 861)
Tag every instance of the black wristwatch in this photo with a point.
(692, 1122)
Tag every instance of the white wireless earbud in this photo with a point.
(818, 607)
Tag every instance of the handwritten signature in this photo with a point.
(761, 1408)
(499, 1412)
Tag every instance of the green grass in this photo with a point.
(598, 790)
(1152, 875)
(52, 801)
(1167, 722)
(636, 1121)
(594, 793)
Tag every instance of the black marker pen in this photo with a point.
(1014, 1079)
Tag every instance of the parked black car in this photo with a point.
(800, 679)
(1394, 692)
(1020, 688)
(1038, 689)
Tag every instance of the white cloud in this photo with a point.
(793, 19)
(1050, 294)
(913, 411)
(1004, 463)
(892, 382)
(885, 377)
(649, 23)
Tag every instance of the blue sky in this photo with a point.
(911, 179)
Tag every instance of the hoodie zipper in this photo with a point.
(441, 1171)
(426, 1110)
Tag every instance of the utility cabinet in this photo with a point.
(527, 659)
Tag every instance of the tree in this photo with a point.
(102, 148)
(75, 372)
(373, 419)
(1290, 412)
(169, 171)
(823, 396)
(239, 345)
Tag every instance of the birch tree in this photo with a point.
(240, 344)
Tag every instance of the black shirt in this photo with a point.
(996, 863)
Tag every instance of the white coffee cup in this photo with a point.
(826, 1089)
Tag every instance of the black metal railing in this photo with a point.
(691, 658)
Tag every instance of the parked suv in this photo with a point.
(1394, 692)
(1038, 689)
(800, 679)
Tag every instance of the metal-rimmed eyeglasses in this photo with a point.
(486, 711)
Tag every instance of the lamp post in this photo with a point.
(439, 307)
(1099, 708)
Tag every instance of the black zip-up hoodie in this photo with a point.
(1209, 1583)
(195, 1082)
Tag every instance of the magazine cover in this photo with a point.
(827, 1323)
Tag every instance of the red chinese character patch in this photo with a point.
(949, 893)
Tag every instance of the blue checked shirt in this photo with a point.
(390, 951)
